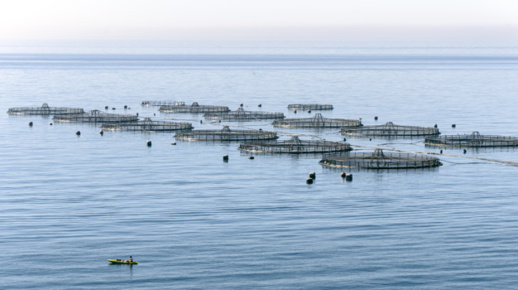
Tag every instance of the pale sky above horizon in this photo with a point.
(265, 19)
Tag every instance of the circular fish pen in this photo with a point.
(380, 160)
(309, 107)
(44, 110)
(195, 108)
(226, 134)
(295, 146)
(241, 115)
(95, 116)
(147, 125)
(390, 130)
(316, 121)
(472, 140)
(162, 103)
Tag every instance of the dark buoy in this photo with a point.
(137, 114)
(78, 133)
(441, 151)
(349, 177)
(148, 143)
(154, 114)
(309, 180)
(201, 121)
(241, 105)
(101, 132)
(174, 143)
(125, 106)
(259, 105)
(464, 151)
(453, 125)
(375, 118)
(312, 175)
(113, 108)
(50, 124)
(30, 124)
(295, 112)
(343, 174)
(309, 111)
(251, 157)
(225, 158)
(106, 107)
(345, 139)
(219, 121)
(435, 125)
(370, 139)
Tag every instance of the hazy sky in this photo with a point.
(256, 19)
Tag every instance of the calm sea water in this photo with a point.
(68, 203)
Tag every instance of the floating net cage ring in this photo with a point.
(390, 129)
(147, 125)
(44, 110)
(162, 103)
(380, 160)
(308, 107)
(194, 108)
(226, 134)
(295, 146)
(474, 139)
(96, 116)
(317, 121)
(242, 115)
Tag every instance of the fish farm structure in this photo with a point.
(226, 134)
(44, 110)
(316, 121)
(162, 103)
(472, 140)
(147, 125)
(380, 160)
(96, 116)
(242, 115)
(309, 107)
(295, 146)
(195, 108)
(390, 130)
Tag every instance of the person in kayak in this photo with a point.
(129, 260)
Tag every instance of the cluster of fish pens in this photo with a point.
(336, 154)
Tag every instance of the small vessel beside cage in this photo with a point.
(240, 115)
(147, 125)
(472, 140)
(44, 110)
(317, 121)
(195, 108)
(226, 134)
(390, 130)
(380, 160)
(96, 116)
(294, 146)
(309, 107)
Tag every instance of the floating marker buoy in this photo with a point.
(137, 114)
(295, 111)
(101, 132)
(435, 125)
(113, 108)
(225, 158)
(370, 139)
(241, 105)
(309, 180)
(125, 106)
(343, 174)
(50, 124)
(259, 105)
(251, 157)
(345, 139)
(375, 118)
(148, 143)
(465, 151)
(201, 121)
(349, 177)
(106, 107)
(309, 111)
(453, 125)
(78, 133)
(441, 151)
(30, 124)
(312, 175)
(154, 114)
(174, 143)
